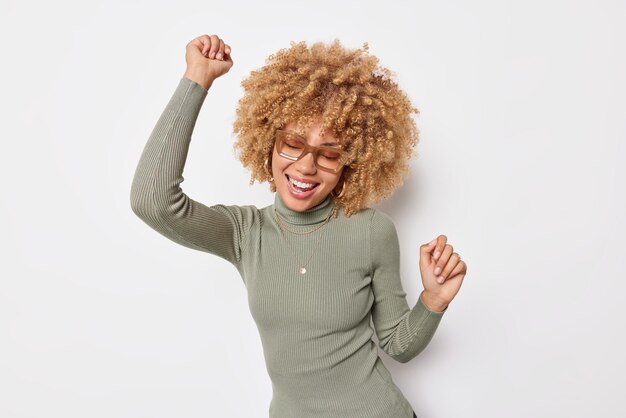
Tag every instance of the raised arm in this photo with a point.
(402, 332)
(156, 196)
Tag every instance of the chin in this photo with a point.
(300, 204)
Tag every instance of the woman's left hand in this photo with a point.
(442, 273)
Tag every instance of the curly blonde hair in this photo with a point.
(357, 102)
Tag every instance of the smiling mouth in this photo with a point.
(297, 188)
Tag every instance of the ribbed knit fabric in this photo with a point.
(315, 327)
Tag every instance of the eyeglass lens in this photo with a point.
(293, 147)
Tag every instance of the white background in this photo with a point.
(520, 165)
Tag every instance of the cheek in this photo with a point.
(337, 178)
(331, 182)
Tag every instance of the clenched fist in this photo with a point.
(442, 273)
(208, 58)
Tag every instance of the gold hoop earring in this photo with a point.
(343, 188)
(267, 169)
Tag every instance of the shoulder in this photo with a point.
(244, 216)
(241, 210)
(384, 243)
(381, 221)
(382, 230)
(374, 219)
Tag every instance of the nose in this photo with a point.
(307, 163)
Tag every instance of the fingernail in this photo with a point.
(437, 254)
(437, 270)
(219, 56)
(440, 279)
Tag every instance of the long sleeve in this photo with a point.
(157, 198)
(402, 332)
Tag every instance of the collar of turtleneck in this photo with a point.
(311, 216)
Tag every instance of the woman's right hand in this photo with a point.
(208, 57)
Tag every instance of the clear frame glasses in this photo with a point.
(294, 147)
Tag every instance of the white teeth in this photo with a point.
(301, 185)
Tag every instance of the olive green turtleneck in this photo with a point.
(315, 327)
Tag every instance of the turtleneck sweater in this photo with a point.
(316, 328)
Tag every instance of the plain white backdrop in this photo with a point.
(520, 164)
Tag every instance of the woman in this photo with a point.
(330, 133)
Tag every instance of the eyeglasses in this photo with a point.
(294, 147)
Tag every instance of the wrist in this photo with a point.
(432, 302)
(199, 77)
